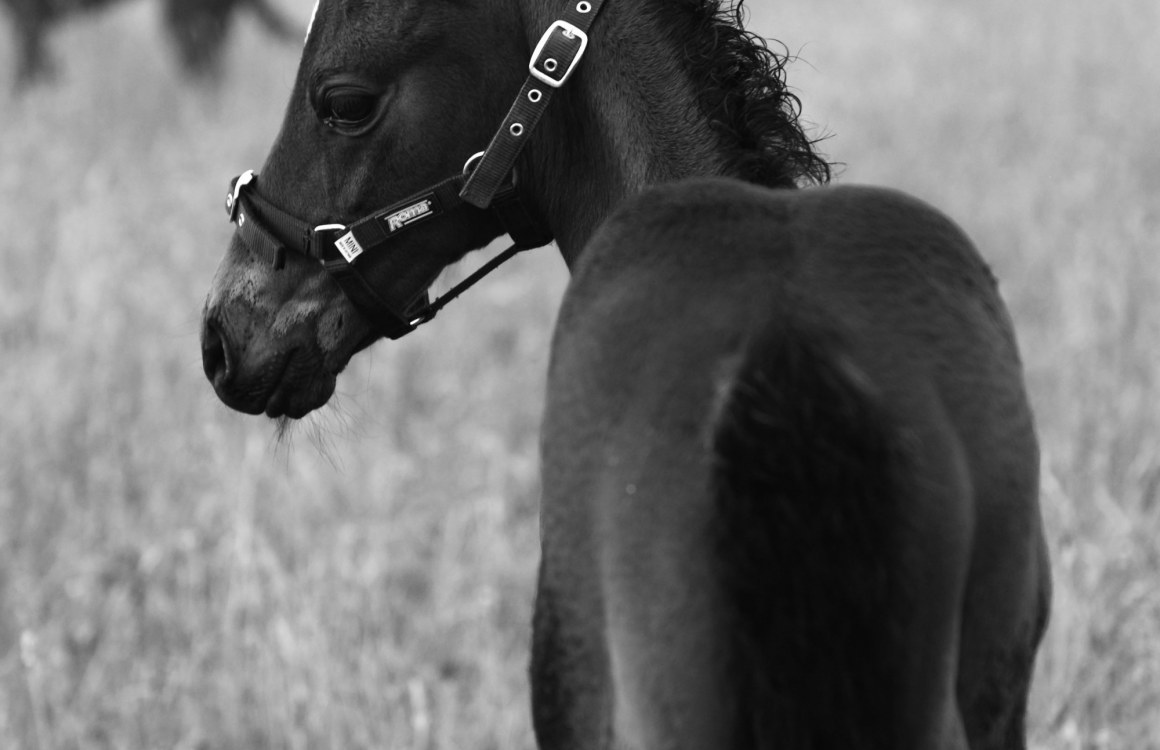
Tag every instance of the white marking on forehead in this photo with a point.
(310, 25)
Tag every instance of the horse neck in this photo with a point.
(627, 120)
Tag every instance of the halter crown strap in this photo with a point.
(555, 58)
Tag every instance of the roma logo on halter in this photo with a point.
(410, 214)
(391, 221)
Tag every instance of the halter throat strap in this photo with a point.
(487, 184)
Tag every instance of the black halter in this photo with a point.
(486, 184)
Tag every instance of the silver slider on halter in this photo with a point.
(245, 178)
(558, 53)
(324, 233)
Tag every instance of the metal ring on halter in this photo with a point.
(583, 7)
(472, 161)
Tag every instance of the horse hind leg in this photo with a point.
(33, 63)
(197, 31)
(998, 656)
(569, 678)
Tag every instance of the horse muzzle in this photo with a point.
(277, 380)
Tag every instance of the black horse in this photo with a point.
(789, 468)
(197, 28)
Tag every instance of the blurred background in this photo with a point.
(173, 575)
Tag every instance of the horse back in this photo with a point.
(771, 418)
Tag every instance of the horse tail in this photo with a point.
(806, 461)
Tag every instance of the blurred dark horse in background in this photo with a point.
(790, 473)
(198, 29)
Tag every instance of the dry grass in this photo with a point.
(172, 577)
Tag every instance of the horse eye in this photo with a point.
(346, 106)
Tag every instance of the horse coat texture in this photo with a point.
(788, 466)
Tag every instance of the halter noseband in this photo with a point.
(487, 184)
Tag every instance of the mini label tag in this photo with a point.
(348, 246)
(409, 215)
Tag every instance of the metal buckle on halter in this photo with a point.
(424, 314)
(245, 178)
(546, 70)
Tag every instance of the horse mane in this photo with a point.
(742, 91)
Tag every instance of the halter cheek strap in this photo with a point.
(486, 184)
(553, 62)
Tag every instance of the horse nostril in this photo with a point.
(215, 353)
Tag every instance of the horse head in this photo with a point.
(388, 100)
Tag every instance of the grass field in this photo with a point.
(171, 576)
